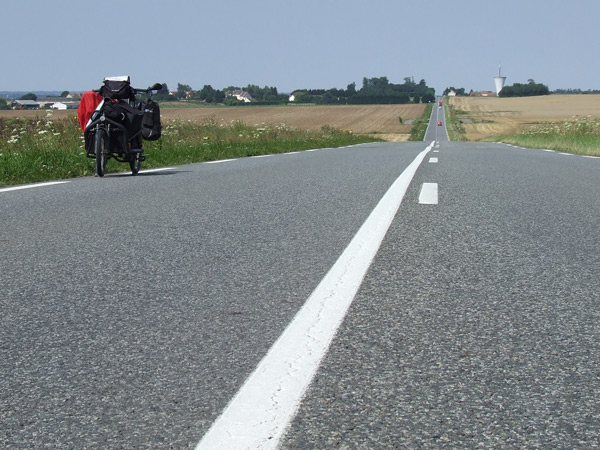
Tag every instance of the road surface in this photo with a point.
(134, 309)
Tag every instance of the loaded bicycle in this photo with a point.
(115, 122)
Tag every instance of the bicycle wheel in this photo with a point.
(135, 163)
(135, 157)
(101, 152)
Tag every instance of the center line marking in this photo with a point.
(259, 413)
(433, 160)
(429, 194)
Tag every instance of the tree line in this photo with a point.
(524, 90)
(516, 90)
(377, 90)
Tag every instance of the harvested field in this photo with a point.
(361, 119)
(494, 116)
(380, 120)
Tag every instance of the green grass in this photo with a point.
(33, 150)
(455, 128)
(578, 135)
(419, 128)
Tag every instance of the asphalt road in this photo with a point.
(134, 308)
(434, 131)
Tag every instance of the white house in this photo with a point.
(58, 105)
(241, 95)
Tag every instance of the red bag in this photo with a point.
(89, 102)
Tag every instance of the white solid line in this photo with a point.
(590, 156)
(429, 194)
(257, 416)
(433, 160)
(156, 170)
(220, 161)
(29, 186)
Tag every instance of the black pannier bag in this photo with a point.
(117, 88)
(128, 116)
(151, 126)
(121, 112)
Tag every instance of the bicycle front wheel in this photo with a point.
(101, 152)
(135, 163)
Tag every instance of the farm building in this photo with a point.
(24, 104)
(241, 95)
(58, 102)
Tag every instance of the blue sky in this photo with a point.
(74, 44)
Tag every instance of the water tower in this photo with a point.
(499, 80)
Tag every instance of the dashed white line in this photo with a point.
(429, 194)
(259, 413)
(433, 160)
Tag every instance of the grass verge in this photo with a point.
(578, 135)
(43, 149)
(417, 132)
(456, 131)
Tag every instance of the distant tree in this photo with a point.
(207, 94)
(64, 93)
(375, 84)
(164, 90)
(30, 96)
(3, 103)
(182, 90)
(428, 98)
(351, 90)
(265, 94)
